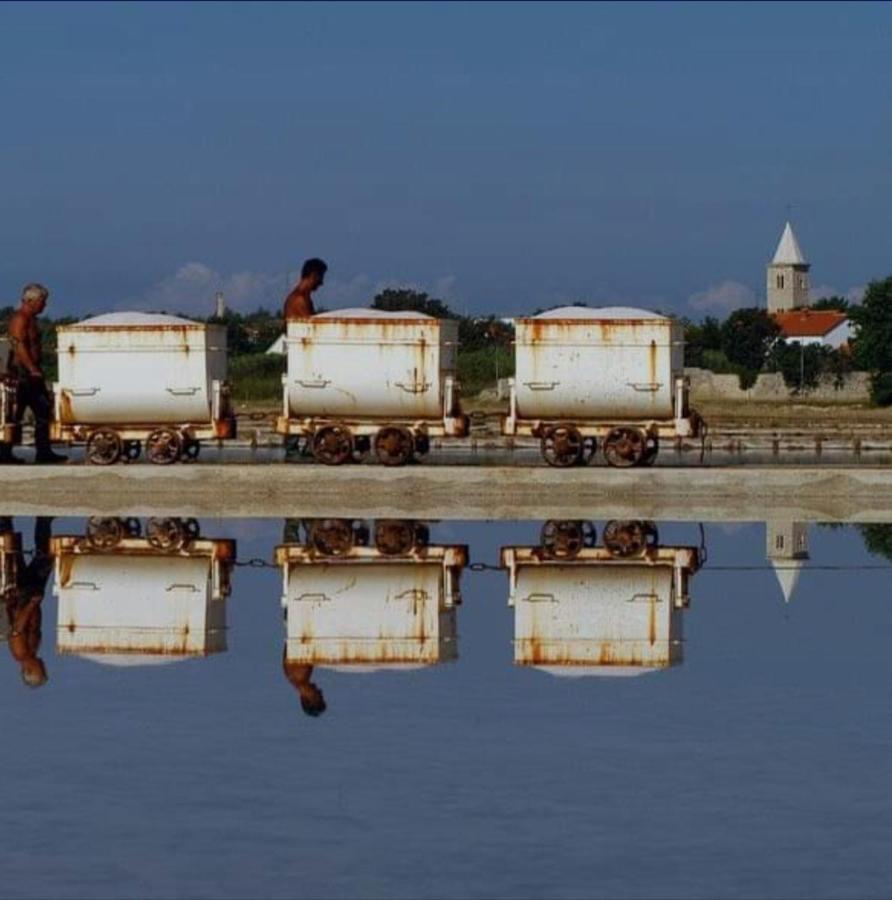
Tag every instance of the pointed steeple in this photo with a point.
(788, 251)
(788, 572)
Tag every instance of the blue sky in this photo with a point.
(502, 156)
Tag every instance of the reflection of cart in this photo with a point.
(366, 381)
(380, 597)
(586, 609)
(611, 378)
(123, 597)
(131, 381)
(10, 558)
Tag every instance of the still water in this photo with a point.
(328, 708)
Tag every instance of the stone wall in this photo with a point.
(707, 385)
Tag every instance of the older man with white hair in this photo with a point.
(24, 365)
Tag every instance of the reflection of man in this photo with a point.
(311, 700)
(299, 303)
(23, 607)
(24, 365)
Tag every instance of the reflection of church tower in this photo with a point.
(787, 550)
(787, 275)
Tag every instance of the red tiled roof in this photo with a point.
(808, 323)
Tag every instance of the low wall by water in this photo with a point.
(707, 385)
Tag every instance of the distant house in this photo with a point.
(278, 345)
(807, 326)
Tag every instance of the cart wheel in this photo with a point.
(331, 537)
(191, 449)
(105, 533)
(165, 534)
(333, 445)
(562, 446)
(164, 446)
(625, 446)
(625, 539)
(132, 449)
(104, 447)
(394, 446)
(395, 537)
(564, 539)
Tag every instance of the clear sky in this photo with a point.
(501, 156)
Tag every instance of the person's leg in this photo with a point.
(37, 398)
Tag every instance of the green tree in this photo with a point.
(406, 299)
(700, 337)
(747, 338)
(802, 366)
(877, 539)
(840, 304)
(873, 327)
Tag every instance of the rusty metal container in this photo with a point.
(135, 368)
(596, 614)
(136, 604)
(9, 431)
(371, 364)
(369, 611)
(611, 363)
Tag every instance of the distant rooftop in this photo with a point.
(808, 322)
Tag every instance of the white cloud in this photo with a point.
(723, 298)
(191, 289)
(854, 294)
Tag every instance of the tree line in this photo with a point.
(746, 343)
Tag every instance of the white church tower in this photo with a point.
(786, 546)
(787, 275)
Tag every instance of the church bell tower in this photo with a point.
(787, 275)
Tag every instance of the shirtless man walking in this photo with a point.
(24, 365)
(299, 303)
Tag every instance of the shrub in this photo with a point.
(256, 376)
(479, 369)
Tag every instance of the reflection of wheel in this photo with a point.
(165, 534)
(105, 533)
(626, 539)
(333, 445)
(564, 539)
(394, 446)
(331, 537)
(132, 449)
(625, 446)
(104, 447)
(394, 537)
(164, 446)
(562, 446)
